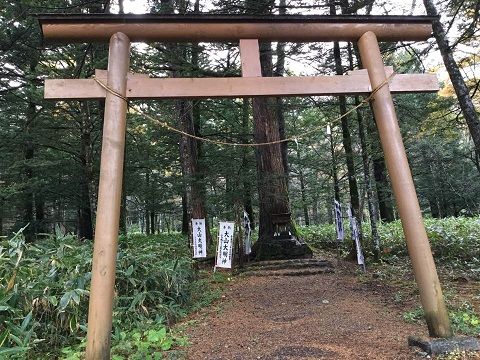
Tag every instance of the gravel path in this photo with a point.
(324, 316)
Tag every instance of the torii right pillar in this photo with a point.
(419, 250)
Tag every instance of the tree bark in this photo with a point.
(385, 205)
(199, 172)
(185, 220)
(372, 211)
(247, 185)
(315, 217)
(461, 89)
(347, 145)
(336, 186)
(123, 210)
(147, 202)
(152, 222)
(194, 196)
(188, 115)
(303, 191)
(28, 197)
(280, 71)
(85, 224)
(272, 182)
(2, 204)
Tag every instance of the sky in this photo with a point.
(397, 7)
(393, 7)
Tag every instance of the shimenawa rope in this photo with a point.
(219, 142)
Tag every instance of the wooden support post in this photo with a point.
(109, 197)
(250, 58)
(431, 296)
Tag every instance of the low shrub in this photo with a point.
(45, 287)
(453, 240)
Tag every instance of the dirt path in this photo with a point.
(324, 316)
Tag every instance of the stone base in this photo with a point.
(443, 346)
(279, 249)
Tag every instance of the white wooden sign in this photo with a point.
(338, 220)
(225, 245)
(247, 230)
(356, 237)
(199, 238)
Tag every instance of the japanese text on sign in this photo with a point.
(225, 245)
(199, 238)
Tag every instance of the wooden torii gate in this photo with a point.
(120, 30)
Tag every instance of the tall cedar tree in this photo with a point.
(461, 89)
(272, 182)
(188, 115)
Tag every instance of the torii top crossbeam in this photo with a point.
(209, 28)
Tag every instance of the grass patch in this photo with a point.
(456, 250)
(454, 241)
(45, 289)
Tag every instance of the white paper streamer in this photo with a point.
(247, 230)
(199, 238)
(225, 245)
(338, 220)
(356, 237)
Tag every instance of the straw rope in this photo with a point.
(165, 125)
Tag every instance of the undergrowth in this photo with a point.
(454, 241)
(44, 291)
(456, 249)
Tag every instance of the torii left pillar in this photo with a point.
(109, 198)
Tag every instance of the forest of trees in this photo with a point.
(49, 152)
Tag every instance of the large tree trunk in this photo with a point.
(303, 191)
(347, 145)
(188, 115)
(336, 186)
(147, 202)
(461, 89)
(185, 219)
(199, 204)
(28, 197)
(246, 153)
(1, 216)
(385, 205)
(194, 196)
(279, 71)
(85, 224)
(372, 211)
(123, 211)
(272, 182)
(152, 222)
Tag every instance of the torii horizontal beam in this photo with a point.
(150, 27)
(141, 87)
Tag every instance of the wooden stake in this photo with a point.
(436, 314)
(109, 197)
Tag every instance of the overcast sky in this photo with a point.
(393, 7)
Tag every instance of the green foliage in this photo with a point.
(454, 243)
(464, 320)
(453, 240)
(415, 315)
(45, 288)
(319, 236)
